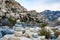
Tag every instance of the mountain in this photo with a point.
(13, 11)
(51, 15)
(10, 10)
(11, 6)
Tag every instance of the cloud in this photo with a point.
(40, 5)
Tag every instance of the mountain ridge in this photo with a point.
(51, 15)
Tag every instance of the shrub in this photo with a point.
(12, 22)
(43, 24)
(45, 33)
(56, 32)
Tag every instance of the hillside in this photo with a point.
(51, 15)
(12, 11)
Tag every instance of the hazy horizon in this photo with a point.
(40, 5)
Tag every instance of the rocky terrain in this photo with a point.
(21, 24)
(11, 10)
(51, 15)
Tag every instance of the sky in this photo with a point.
(40, 5)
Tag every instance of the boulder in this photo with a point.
(27, 33)
(6, 31)
(35, 35)
(58, 38)
(14, 38)
(32, 29)
(7, 37)
(18, 34)
(0, 35)
(42, 37)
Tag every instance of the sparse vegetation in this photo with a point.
(12, 21)
(56, 32)
(45, 33)
(43, 24)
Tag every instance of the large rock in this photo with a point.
(58, 19)
(0, 35)
(14, 38)
(6, 31)
(18, 34)
(58, 38)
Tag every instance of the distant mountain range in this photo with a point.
(51, 15)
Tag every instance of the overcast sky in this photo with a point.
(40, 5)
